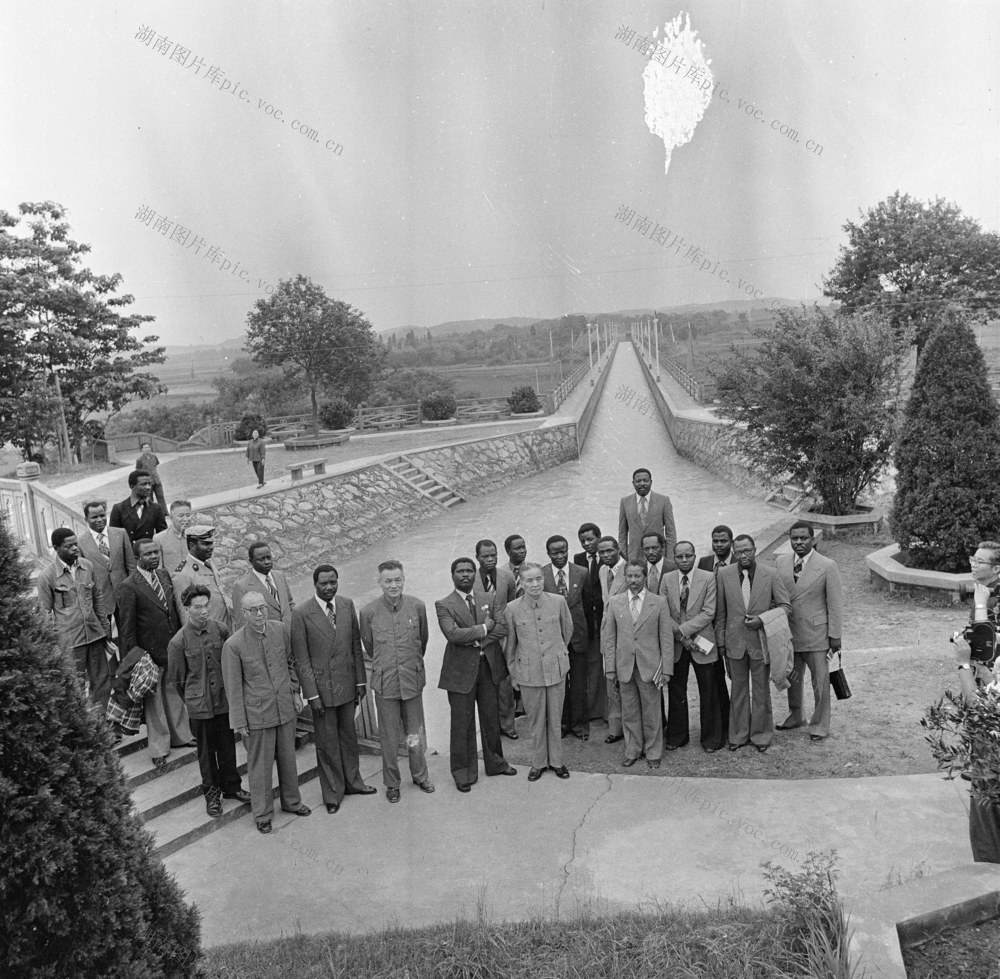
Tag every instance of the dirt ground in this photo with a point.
(898, 660)
(972, 951)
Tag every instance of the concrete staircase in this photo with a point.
(791, 498)
(405, 469)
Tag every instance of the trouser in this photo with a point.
(642, 719)
(216, 753)
(464, 763)
(258, 468)
(337, 759)
(264, 746)
(91, 663)
(819, 674)
(984, 831)
(167, 724)
(506, 698)
(597, 693)
(750, 717)
(398, 719)
(160, 496)
(713, 700)
(543, 706)
(576, 703)
(614, 709)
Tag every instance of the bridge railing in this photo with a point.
(703, 392)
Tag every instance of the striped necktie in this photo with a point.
(797, 569)
(561, 583)
(685, 591)
(158, 588)
(635, 608)
(272, 589)
(331, 614)
(102, 544)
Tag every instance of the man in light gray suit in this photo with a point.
(643, 512)
(264, 580)
(109, 550)
(817, 597)
(326, 644)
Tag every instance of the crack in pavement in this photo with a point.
(572, 854)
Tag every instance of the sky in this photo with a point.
(490, 153)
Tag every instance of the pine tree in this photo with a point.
(948, 455)
(81, 891)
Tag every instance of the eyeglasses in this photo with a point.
(973, 560)
(256, 610)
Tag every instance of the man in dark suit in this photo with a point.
(149, 621)
(745, 590)
(472, 668)
(139, 516)
(816, 619)
(722, 550)
(264, 580)
(612, 576)
(573, 583)
(690, 593)
(109, 550)
(326, 644)
(589, 535)
(501, 581)
(642, 512)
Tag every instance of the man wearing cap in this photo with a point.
(172, 543)
(198, 569)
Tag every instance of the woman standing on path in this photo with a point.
(256, 450)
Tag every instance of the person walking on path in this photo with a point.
(148, 462)
(256, 450)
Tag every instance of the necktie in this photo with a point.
(102, 544)
(642, 509)
(158, 588)
(518, 590)
(488, 582)
(272, 589)
(611, 579)
(561, 583)
(331, 614)
(685, 591)
(719, 564)
(745, 586)
(635, 609)
(138, 511)
(797, 569)
(653, 580)
(472, 606)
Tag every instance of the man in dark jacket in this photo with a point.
(194, 669)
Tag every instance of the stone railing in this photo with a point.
(702, 391)
(558, 395)
(130, 441)
(590, 408)
(33, 511)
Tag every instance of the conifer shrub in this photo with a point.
(336, 414)
(524, 400)
(439, 406)
(948, 455)
(81, 890)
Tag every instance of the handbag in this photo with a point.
(838, 680)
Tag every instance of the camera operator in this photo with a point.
(976, 654)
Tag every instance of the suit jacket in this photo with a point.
(768, 591)
(817, 602)
(506, 586)
(144, 621)
(578, 598)
(707, 563)
(260, 678)
(280, 610)
(328, 659)
(659, 517)
(645, 645)
(109, 572)
(583, 560)
(153, 519)
(465, 640)
(77, 607)
(617, 586)
(699, 615)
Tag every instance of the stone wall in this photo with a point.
(590, 408)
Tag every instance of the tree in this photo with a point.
(409, 387)
(910, 260)
(324, 341)
(948, 455)
(266, 390)
(60, 326)
(815, 400)
(82, 891)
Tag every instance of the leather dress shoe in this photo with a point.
(535, 774)
(653, 764)
(190, 744)
(614, 738)
(817, 737)
(710, 751)
(303, 810)
(213, 803)
(510, 734)
(464, 787)
(426, 786)
(509, 770)
(629, 762)
(333, 807)
(160, 762)
(670, 747)
(264, 827)
(582, 735)
(787, 727)
(736, 747)
(561, 772)
(762, 747)
(367, 790)
(392, 793)
(241, 795)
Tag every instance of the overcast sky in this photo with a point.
(486, 147)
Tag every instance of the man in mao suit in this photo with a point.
(722, 550)
(139, 516)
(745, 590)
(637, 638)
(149, 620)
(502, 582)
(573, 583)
(471, 671)
(264, 580)
(326, 644)
(589, 536)
(643, 512)
(815, 621)
(690, 594)
(109, 550)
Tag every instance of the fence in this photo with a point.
(33, 511)
(559, 394)
(702, 391)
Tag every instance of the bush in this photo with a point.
(336, 414)
(82, 891)
(948, 455)
(403, 387)
(438, 406)
(250, 421)
(523, 400)
(178, 422)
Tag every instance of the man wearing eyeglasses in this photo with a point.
(262, 686)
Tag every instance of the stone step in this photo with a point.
(139, 767)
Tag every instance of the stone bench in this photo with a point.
(296, 469)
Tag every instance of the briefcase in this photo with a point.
(838, 680)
